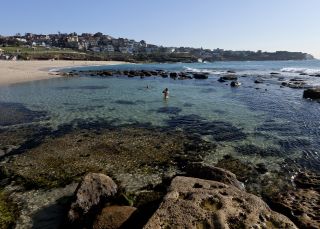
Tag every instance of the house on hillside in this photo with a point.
(108, 48)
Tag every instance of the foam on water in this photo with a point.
(308, 71)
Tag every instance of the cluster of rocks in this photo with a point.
(146, 73)
(218, 201)
(295, 83)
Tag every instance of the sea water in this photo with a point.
(271, 117)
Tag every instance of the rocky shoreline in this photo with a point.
(99, 175)
(40, 181)
(230, 78)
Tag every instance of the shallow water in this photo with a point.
(277, 120)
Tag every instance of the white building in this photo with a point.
(95, 49)
(109, 48)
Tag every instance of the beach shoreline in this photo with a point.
(13, 72)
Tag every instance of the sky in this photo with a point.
(267, 25)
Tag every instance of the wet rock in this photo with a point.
(197, 203)
(94, 190)
(221, 80)
(274, 73)
(113, 217)
(312, 93)
(295, 84)
(302, 206)
(243, 171)
(308, 180)
(208, 172)
(235, 84)
(229, 77)
(231, 72)
(106, 73)
(164, 75)
(200, 76)
(173, 75)
(258, 81)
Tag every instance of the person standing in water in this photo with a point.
(166, 93)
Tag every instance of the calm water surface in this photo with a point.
(275, 119)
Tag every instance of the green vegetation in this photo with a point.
(7, 212)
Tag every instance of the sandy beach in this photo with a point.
(12, 72)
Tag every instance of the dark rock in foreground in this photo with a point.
(312, 93)
(112, 217)
(94, 190)
(197, 203)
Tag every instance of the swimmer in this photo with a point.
(166, 93)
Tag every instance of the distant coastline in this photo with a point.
(101, 47)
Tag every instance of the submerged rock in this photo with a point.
(197, 203)
(17, 113)
(94, 190)
(258, 81)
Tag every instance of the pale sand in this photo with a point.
(12, 72)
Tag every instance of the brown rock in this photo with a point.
(94, 190)
(208, 172)
(113, 217)
(301, 205)
(197, 203)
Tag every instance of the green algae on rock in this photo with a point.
(7, 212)
(147, 153)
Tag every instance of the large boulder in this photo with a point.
(312, 93)
(113, 217)
(209, 172)
(197, 203)
(94, 190)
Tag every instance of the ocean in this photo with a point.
(270, 123)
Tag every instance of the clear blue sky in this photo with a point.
(270, 25)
